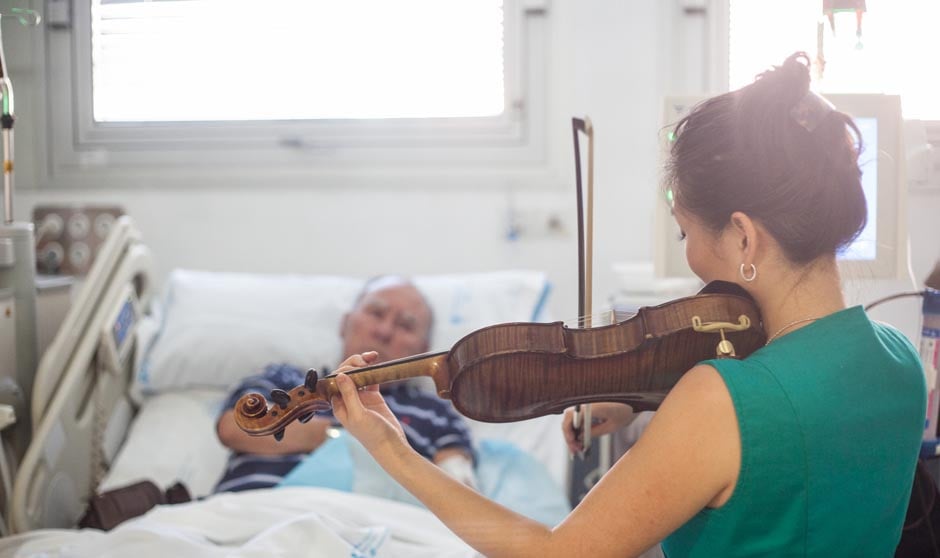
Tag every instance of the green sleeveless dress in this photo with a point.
(831, 418)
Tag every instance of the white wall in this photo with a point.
(609, 59)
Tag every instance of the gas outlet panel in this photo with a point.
(69, 237)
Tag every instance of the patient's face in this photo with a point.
(392, 320)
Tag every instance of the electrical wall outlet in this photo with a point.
(69, 237)
(58, 14)
(535, 223)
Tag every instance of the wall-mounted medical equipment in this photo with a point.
(929, 354)
(17, 265)
(922, 141)
(881, 250)
(68, 237)
(930, 357)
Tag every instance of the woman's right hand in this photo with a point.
(605, 418)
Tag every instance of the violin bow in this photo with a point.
(582, 418)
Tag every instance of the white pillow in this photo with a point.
(463, 303)
(173, 439)
(218, 328)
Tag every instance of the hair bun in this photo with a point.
(794, 59)
(791, 79)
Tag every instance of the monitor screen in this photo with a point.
(865, 247)
(880, 251)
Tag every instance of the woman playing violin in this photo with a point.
(808, 446)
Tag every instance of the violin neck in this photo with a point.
(433, 365)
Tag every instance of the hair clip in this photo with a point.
(670, 198)
(811, 110)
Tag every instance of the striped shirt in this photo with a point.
(429, 423)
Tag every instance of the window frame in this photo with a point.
(80, 146)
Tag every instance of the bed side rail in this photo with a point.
(111, 267)
(88, 409)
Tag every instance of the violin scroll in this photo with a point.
(254, 416)
(252, 405)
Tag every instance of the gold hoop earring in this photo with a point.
(750, 277)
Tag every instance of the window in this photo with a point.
(309, 85)
(223, 60)
(887, 50)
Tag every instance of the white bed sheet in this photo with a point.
(311, 522)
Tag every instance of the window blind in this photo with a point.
(224, 60)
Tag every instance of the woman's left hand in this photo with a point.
(363, 411)
(606, 418)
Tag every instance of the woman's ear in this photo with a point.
(745, 235)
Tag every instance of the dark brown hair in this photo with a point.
(746, 151)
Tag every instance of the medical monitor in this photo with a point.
(880, 251)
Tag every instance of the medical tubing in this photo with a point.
(889, 298)
(7, 171)
(6, 122)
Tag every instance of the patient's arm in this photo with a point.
(298, 437)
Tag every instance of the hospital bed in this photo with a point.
(132, 385)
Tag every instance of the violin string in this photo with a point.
(597, 319)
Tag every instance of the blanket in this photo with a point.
(504, 472)
(300, 521)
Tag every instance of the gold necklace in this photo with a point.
(788, 326)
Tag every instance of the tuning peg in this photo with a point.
(281, 397)
(306, 418)
(279, 435)
(310, 382)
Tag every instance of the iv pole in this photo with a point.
(17, 267)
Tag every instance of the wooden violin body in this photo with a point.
(517, 371)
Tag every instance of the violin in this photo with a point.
(517, 371)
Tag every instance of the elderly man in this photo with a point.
(392, 318)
